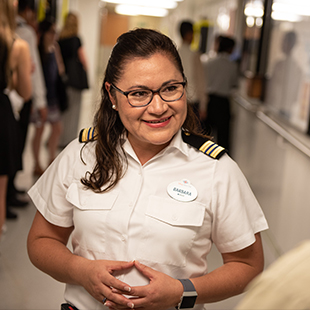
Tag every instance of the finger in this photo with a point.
(121, 266)
(112, 305)
(145, 270)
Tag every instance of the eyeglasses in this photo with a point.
(143, 96)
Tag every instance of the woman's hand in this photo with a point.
(97, 278)
(163, 292)
(47, 250)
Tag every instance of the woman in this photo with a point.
(15, 73)
(53, 68)
(141, 205)
(73, 55)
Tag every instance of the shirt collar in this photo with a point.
(176, 143)
(20, 20)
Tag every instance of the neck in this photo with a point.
(147, 152)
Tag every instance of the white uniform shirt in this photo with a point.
(26, 32)
(138, 220)
(221, 75)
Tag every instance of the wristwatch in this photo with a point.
(189, 296)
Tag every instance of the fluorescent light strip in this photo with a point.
(291, 8)
(140, 10)
(285, 16)
(293, 2)
(164, 4)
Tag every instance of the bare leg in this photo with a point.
(36, 143)
(53, 141)
(3, 189)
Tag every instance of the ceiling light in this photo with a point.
(293, 2)
(165, 4)
(285, 16)
(254, 9)
(291, 8)
(140, 10)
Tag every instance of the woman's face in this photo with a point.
(154, 125)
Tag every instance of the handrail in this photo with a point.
(273, 125)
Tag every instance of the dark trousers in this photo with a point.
(23, 123)
(218, 120)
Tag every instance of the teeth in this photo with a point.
(156, 122)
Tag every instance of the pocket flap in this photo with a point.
(176, 213)
(86, 199)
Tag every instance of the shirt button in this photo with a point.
(174, 217)
(123, 238)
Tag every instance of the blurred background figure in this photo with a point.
(221, 77)
(53, 69)
(27, 15)
(285, 80)
(76, 67)
(15, 74)
(193, 71)
(284, 285)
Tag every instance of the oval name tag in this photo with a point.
(182, 191)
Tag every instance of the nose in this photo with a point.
(157, 105)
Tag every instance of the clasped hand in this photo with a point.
(162, 292)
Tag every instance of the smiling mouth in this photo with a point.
(159, 121)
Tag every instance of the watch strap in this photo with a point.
(189, 295)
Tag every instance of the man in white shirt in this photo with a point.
(193, 71)
(221, 77)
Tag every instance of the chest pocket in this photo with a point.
(169, 230)
(90, 214)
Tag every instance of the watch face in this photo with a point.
(188, 302)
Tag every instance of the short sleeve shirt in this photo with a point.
(139, 220)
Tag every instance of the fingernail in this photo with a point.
(127, 288)
(130, 305)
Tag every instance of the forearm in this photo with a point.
(55, 259)
(224, 282)
(233, 276)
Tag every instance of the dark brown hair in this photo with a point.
(141, 43)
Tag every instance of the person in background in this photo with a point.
(141, 202)
(71, 50)
(283, 285)
(193, 70)
(15, 74)
(26, 32)
(53, 68)
(221, 77)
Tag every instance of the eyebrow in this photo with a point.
(145, 87)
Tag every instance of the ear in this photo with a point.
(112, 99)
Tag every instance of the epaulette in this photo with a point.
(88, 134)
(205, 146)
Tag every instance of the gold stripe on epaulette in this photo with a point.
(212, 149)
(88, 134)
(206, 146)
(217, 151)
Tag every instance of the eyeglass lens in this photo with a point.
(171, 92)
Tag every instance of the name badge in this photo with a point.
(182, 191)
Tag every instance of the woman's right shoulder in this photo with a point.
(20, 48)
(20, 44)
